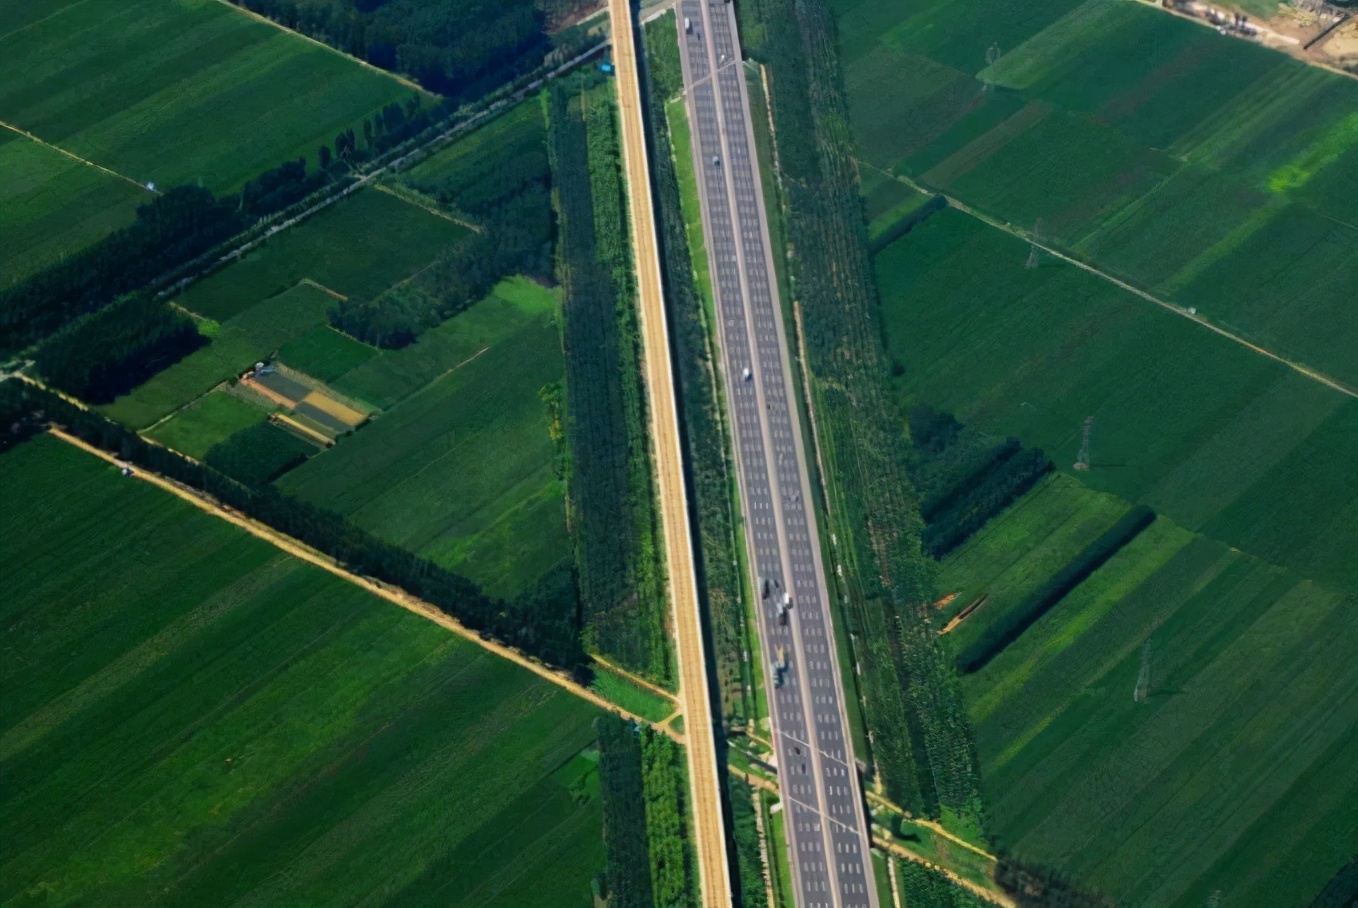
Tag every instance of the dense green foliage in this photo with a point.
(747, 870)
(1341, 890)
(458, 48)
(258, 454)
(497, 177)
(1022, 616)
(545, 633)
(613, 517)
(923, 887)
(1181, 680)
(674, 878)
(1215, 173)
(963, 477)
(921, 744)
(628, 876)
(208, 420)
(263, 731)
(169, 231)
(704, 436)
(117, 348)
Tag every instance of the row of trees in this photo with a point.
(170, 230)
(1012, 623)
(1037, 886)
(705, 435)
(461, 49)
(923, 887)
(921, 740)
(611, 505)
(535, 623)
(505, 188)
(665, 782)
(965, 477)
(622, 791)
(112, 351)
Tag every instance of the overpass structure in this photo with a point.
(826, 823)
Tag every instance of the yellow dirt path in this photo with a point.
(709, 831)
(75, 157)
(390, 593)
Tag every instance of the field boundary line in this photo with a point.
(636, 679)
(1175, 308)
(392, 594)
(334, 50)
(409, 199)
(334, 294)
(708, 832)
(75, 157)
(931, 825)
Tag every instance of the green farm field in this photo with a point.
(279, 294)
(1207, 170)
(52, 206)
(461, 465)
(210, 419)
(1208, 433)
(1181, 724)
(193, 718)
(177, 91)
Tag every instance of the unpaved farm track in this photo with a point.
(709, 830)
(392, 594)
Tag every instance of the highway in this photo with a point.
(704, 774)
(825, 814)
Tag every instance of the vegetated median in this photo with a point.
(921, 744)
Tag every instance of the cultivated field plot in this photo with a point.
(1183, 723)
(52, 206)
(1208, 433)
(176, 92)
(280, 293)
(211, 419)
(193, 718)
(1201, 167)
(461, 465)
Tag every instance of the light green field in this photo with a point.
(325, 353)
(1208, 433)
(1208, 170)
(177, 91)
(1182, 723)
(630, 696)
(193, 718)
(52, 206)
(211, 419)
(461, 465)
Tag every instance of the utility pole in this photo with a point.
(1082, 460)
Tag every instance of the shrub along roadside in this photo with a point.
(1014, 622)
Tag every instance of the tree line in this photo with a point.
(258, 454)
(117, 348)
(965, 477)
(1012, 623)
(921, 741)
(460, 49)
(506, 189)
(534, 623)
(611, 507)
(1035, 885)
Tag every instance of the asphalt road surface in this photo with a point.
(824, 820)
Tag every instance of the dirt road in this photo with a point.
(709, 833)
